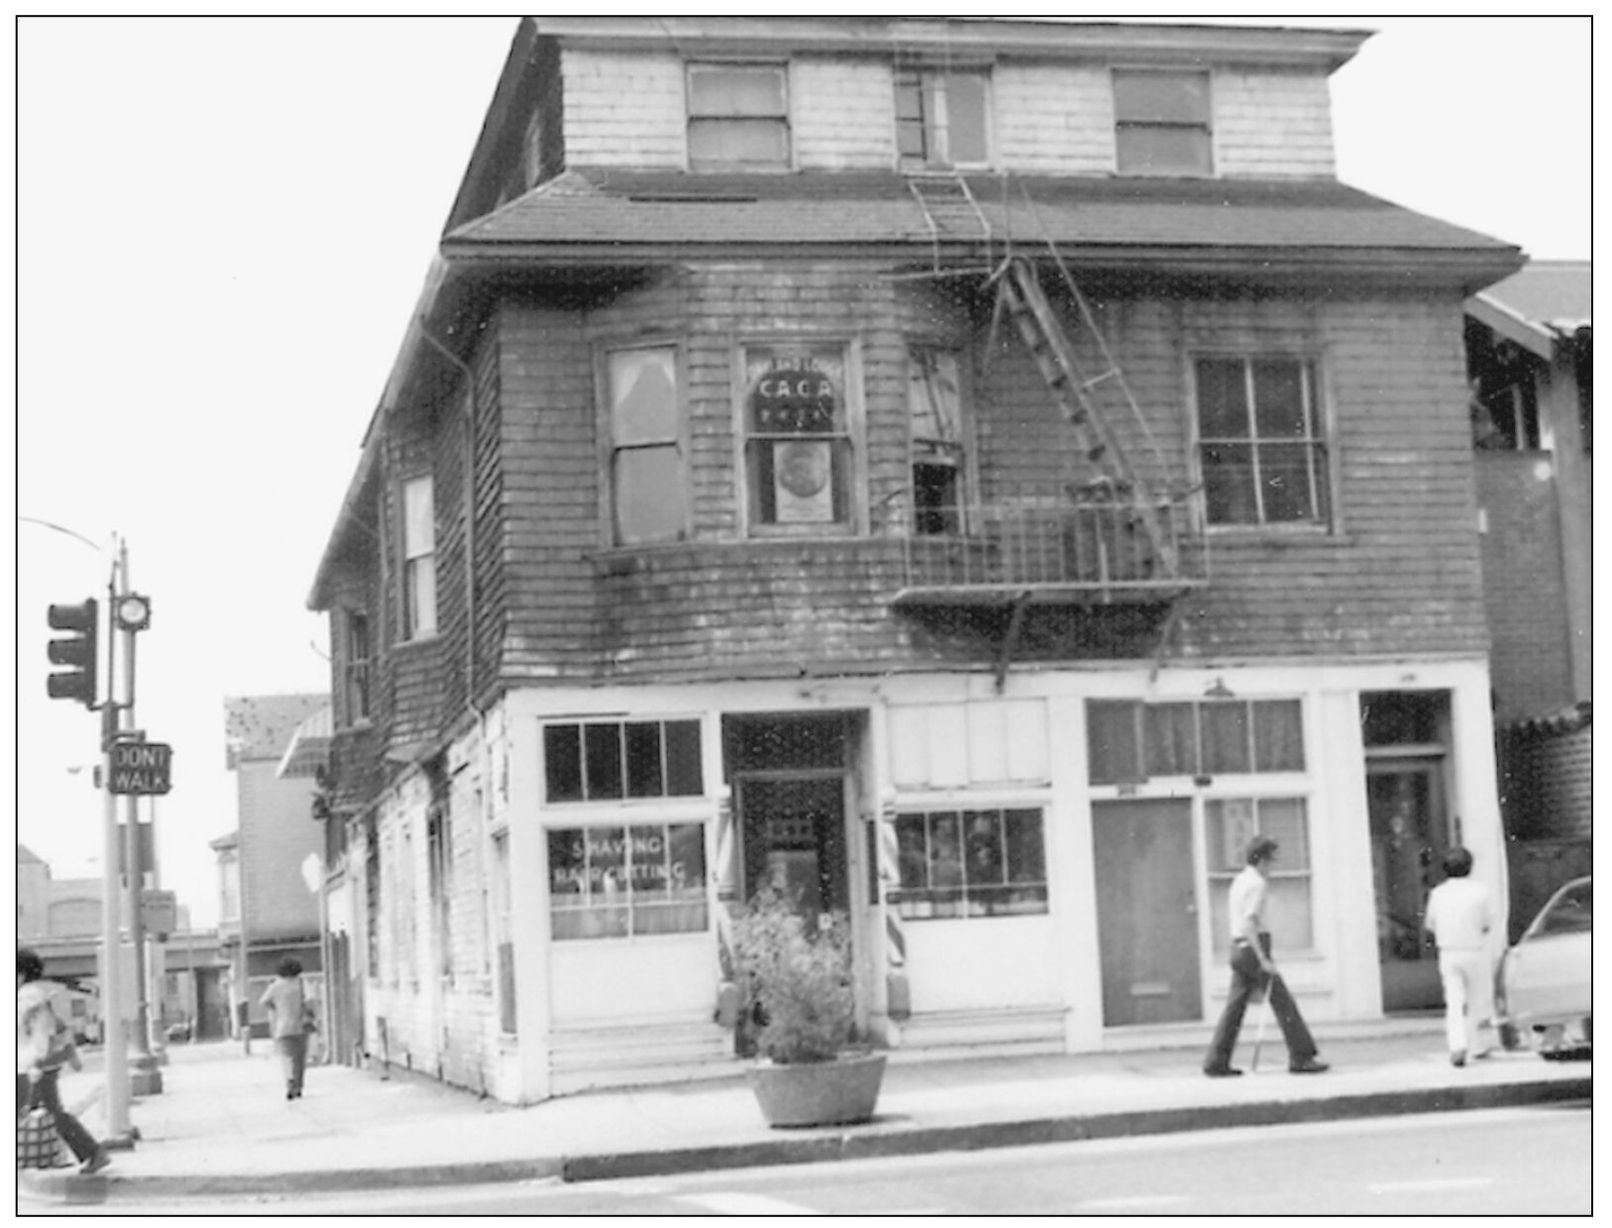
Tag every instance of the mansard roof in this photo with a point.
(611, 215)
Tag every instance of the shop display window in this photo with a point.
(970, 863)
(621, 882)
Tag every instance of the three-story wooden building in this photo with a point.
(976, 473)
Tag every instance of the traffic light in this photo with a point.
(77, 650)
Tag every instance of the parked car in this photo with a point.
(1543, 988)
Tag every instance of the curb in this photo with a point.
(66, 1186)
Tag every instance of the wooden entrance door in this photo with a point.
(1409, 834)
(1147, 923)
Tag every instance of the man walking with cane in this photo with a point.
(1252, 969)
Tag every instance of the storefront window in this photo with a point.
(620, 882)
(970, 863)
(1229, 824)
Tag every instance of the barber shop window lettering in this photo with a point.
(621, 882)
(797, 436)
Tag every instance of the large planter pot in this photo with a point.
(841, 1092)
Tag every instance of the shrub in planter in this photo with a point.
(798, 984)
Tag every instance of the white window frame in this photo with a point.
(781, 117)
(418, 579)
(852, 432)
(1319, 439)
(610, 400)
(1123, 123)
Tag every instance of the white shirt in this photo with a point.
(1459, 915)
(1246, 901)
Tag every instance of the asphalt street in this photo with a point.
(1517, 1161)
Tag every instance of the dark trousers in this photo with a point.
(45, 1094)
(1247, 979)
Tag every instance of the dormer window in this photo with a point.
(941, 118)
(1161, 122)
(738, 117)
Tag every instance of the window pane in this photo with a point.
(912, 856)
(1111, 742)
(1282, 819)
(945, 850)
(1163, 151)
(1181, 98)
(934, 396)
(1228, 827)
(1225, 737)
(1026, 854)
(419, 520)
(1279, 400)
(1171, 748)
(420, 596)
(567, 866)
(736, 91)
(965, 118)
(760, 142)
(1287, 474)
(686, 858)
(1222, 399)
(649, 873)
(643, 396)
(643, 759)
(649, 488)
(1287, 911)
(984, 867)
(602, 757)
(1228, 484)
(684, 778)
(562, 762)
(1278, 736)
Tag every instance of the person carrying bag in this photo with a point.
(44, 1046)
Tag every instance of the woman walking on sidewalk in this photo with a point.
(289, 1018)
(44, 1046)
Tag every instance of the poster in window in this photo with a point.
(802, 490)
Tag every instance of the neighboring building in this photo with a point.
(980, 473)
(1529, 343)
(266, 908)
(50, 907)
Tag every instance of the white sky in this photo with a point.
(222, 228)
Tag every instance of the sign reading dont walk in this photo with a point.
(141, 767)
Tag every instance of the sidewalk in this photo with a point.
(222, 1127)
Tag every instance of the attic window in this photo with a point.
(941, 118)
(738, 116)
(1161, 122)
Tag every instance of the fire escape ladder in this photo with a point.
(950, 210)
(1074, 389)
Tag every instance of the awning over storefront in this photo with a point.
(309, 750)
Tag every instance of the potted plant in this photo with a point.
(800, 1009)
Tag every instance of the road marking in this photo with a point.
(733, 1203)
(1429, 1186)
(1137, 1202)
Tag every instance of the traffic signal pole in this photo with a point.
(114, 1039)
(145, 1078)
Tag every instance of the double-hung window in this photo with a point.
(1230, 823)
(797, 436)
(738, 116)
(356, 667)
(1262, 442)
(648, 489)
(1162, 122)
(419, 560)
(934, 403)
(942, 118)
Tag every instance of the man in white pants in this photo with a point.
(1460, 917)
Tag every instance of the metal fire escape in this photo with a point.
(1102, 413)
